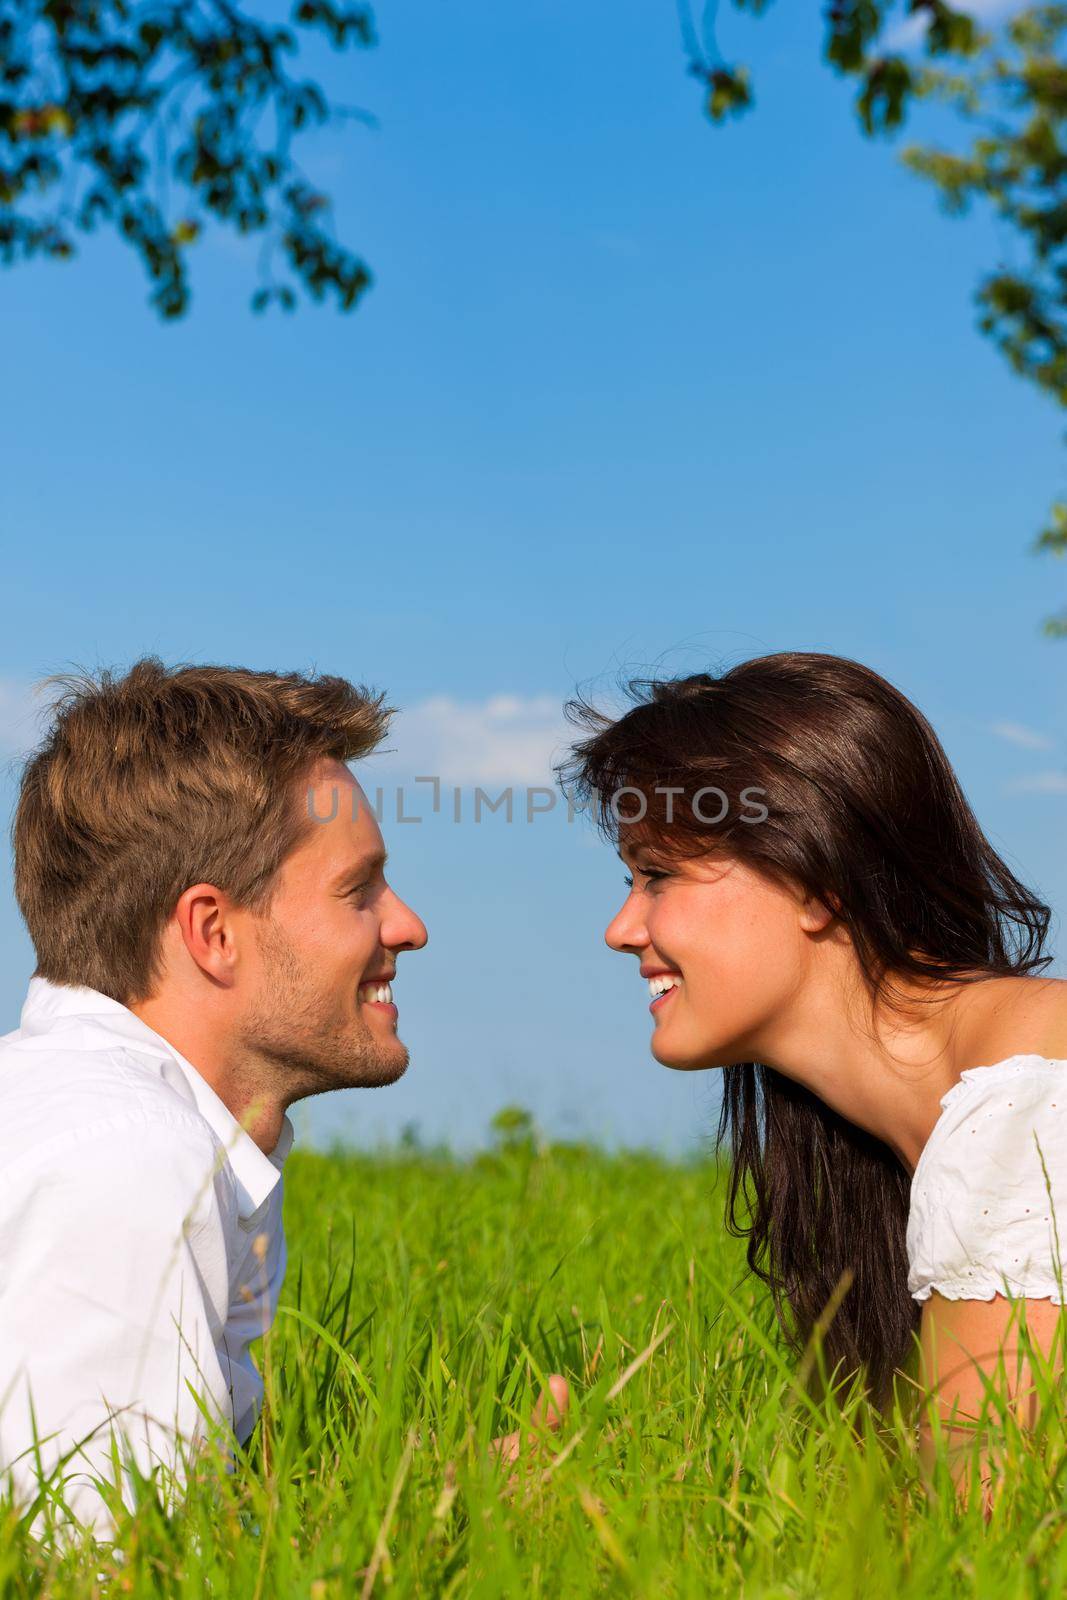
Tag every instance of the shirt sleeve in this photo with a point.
(989, 1197)
(115, 1294)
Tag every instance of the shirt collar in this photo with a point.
(49, 1005)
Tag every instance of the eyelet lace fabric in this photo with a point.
(988, 1211)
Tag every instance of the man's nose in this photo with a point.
(402, 929)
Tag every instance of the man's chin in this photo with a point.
(380, 1072)
(327, 1071)
(390, 1074)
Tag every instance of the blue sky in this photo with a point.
(628, 391)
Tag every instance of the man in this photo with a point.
(204, 884)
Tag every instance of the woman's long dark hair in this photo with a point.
(863, 811)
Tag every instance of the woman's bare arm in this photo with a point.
(974, 1366)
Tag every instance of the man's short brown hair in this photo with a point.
(159, 779)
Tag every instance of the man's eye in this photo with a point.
(357, 889)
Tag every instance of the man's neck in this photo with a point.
(199, 1034)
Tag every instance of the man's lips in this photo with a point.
(378, 993)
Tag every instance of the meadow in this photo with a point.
(427, 1298)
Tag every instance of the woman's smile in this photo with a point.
(661, 985)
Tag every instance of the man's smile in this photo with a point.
(378, 993)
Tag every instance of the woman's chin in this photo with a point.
(670, 1056)
(673, 1054)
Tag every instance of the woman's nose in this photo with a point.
(626, 932)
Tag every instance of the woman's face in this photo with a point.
(728, 947)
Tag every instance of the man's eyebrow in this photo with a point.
(359, 869)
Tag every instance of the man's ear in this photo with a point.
(204, 916)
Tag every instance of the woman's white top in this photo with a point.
(990, 1187)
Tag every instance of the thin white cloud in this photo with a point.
(505, 739)
(1018, 733)
(1039, 783)
(910, 31)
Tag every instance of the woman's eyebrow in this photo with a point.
(638, 861)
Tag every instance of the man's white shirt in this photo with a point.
(141, 1247)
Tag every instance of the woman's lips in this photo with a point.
(661, 999)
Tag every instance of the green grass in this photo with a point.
(427, 1297)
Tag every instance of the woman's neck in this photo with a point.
(887, 1069)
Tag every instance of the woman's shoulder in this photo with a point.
(991, 1184)
(995, 1118)
(991, 1104)
(1003, 1019)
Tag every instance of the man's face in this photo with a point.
(324, 956)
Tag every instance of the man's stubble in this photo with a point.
(316, 1040)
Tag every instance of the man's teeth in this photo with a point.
(381, 992)
(660, 985)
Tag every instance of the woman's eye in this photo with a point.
(649, 874)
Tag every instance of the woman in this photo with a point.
(819, 915)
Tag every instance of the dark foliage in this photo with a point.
(156, 119)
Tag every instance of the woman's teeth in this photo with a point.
(660, 984)
(380, 992)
